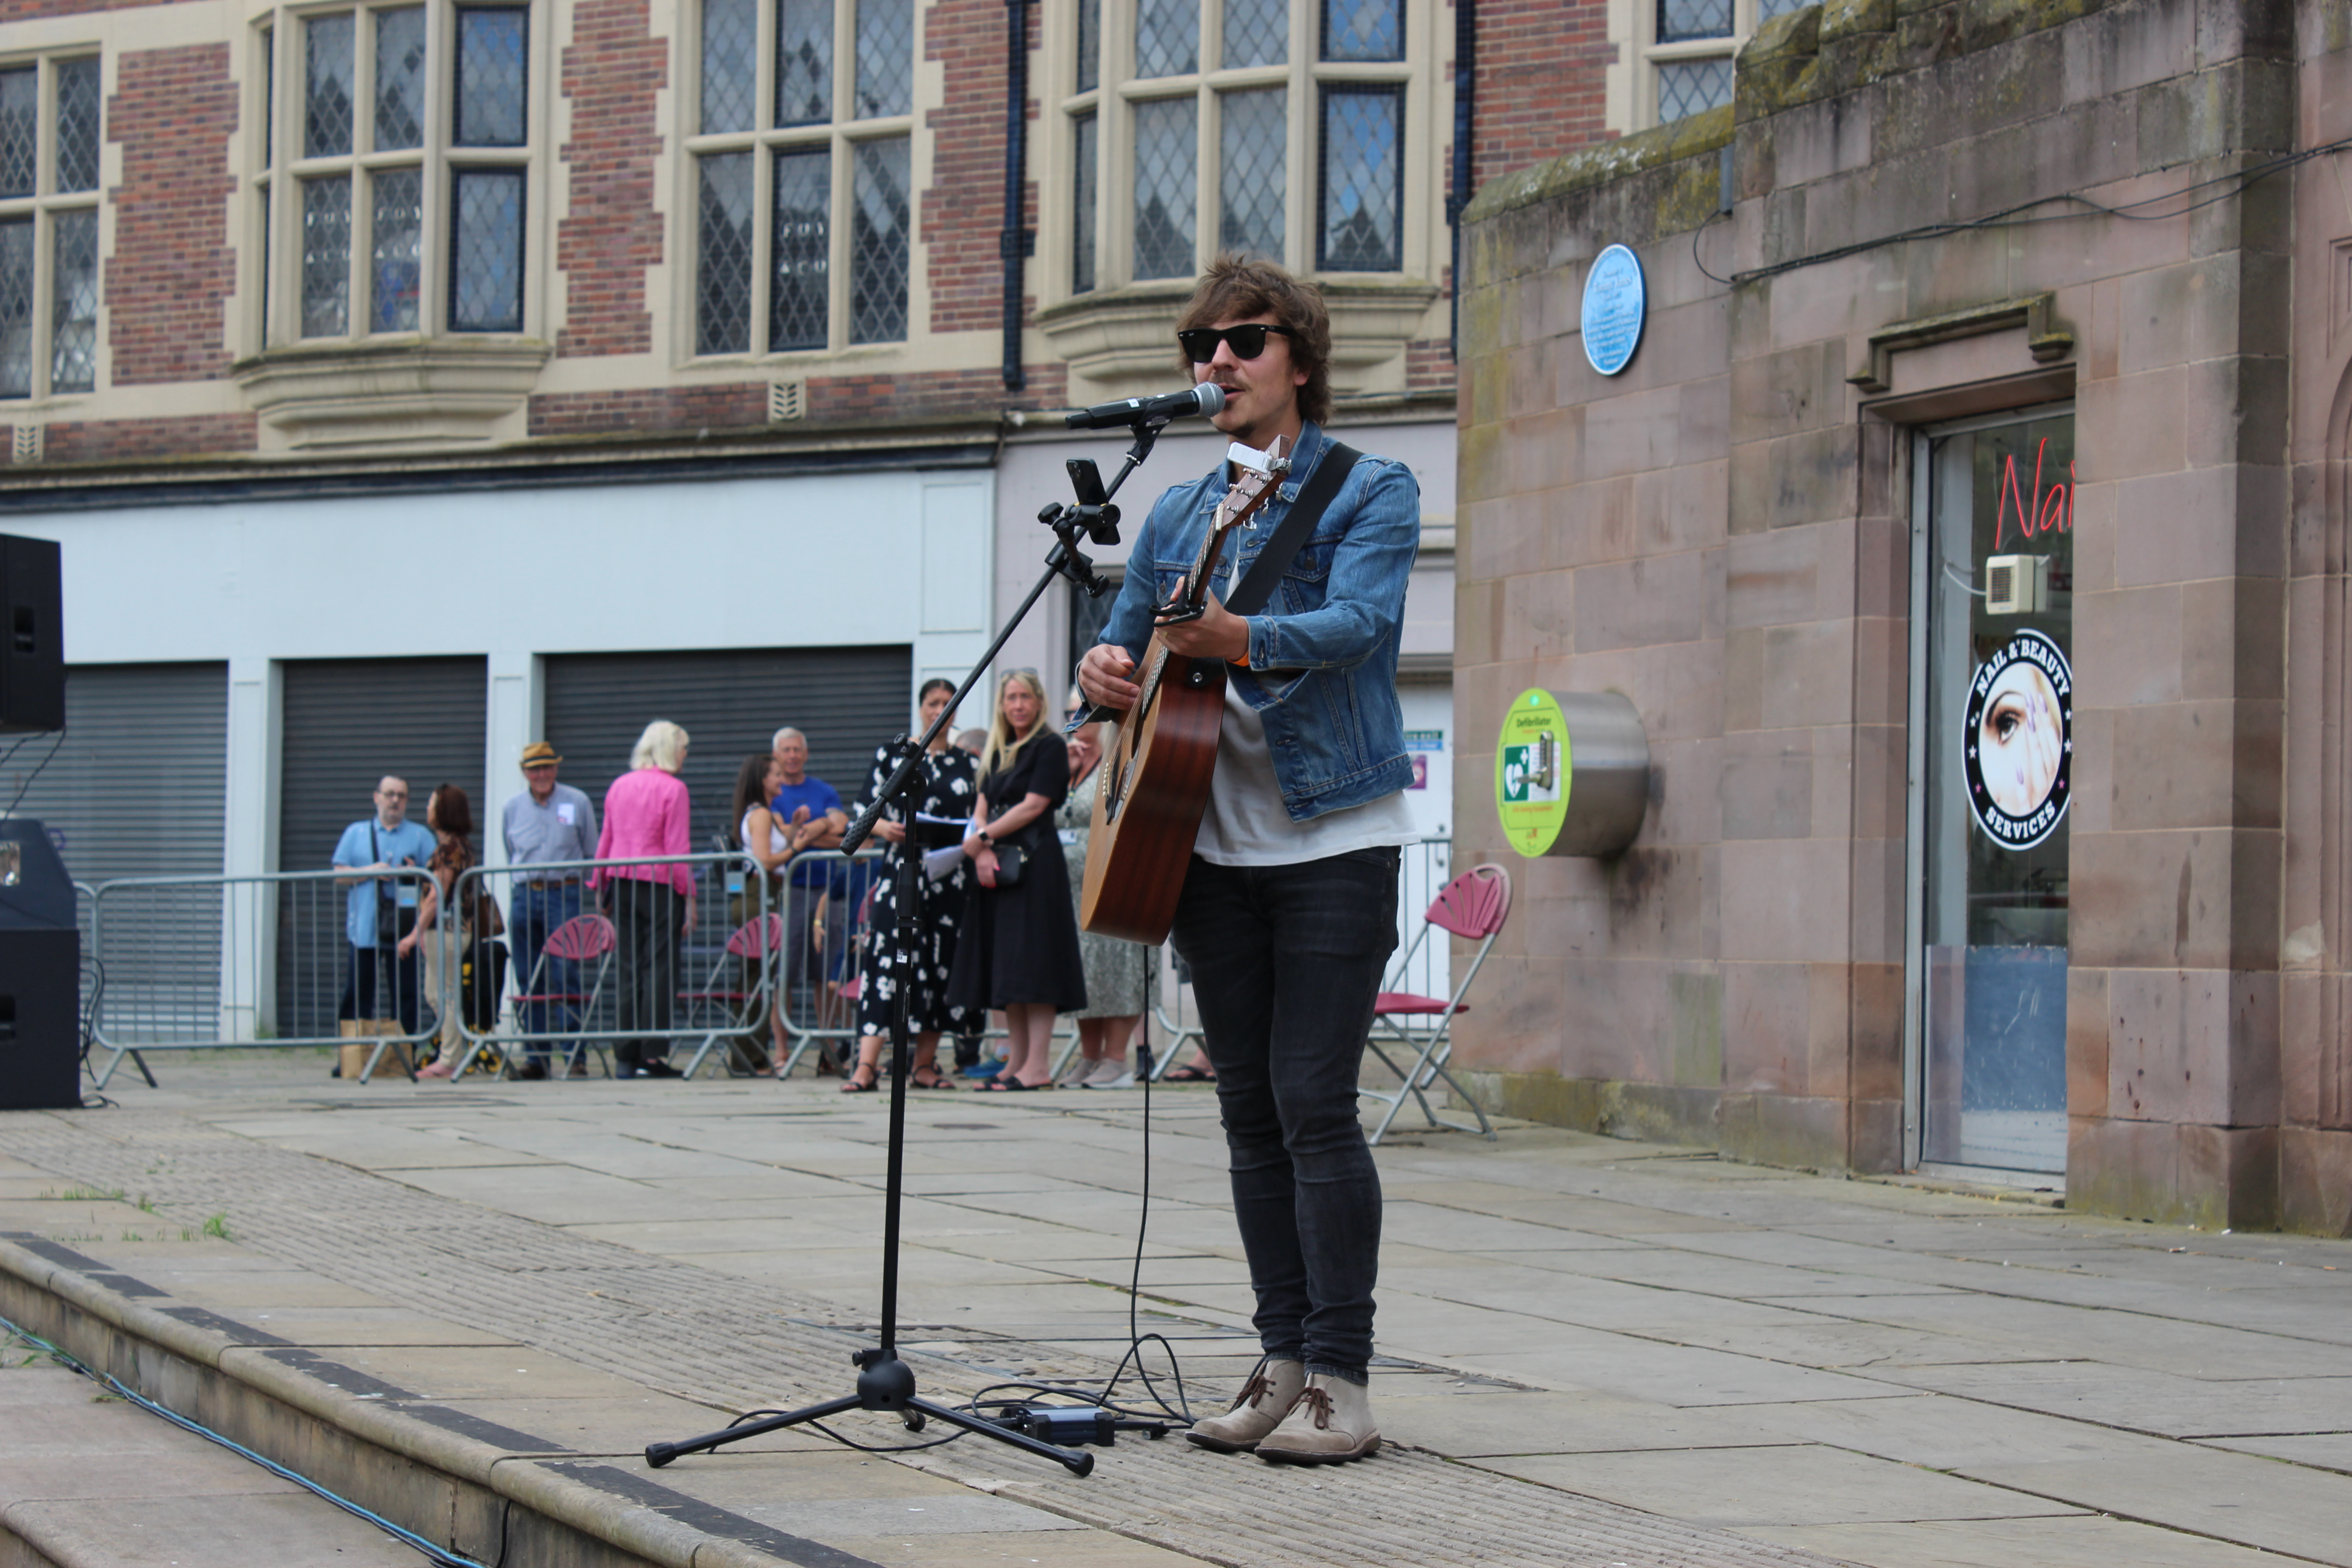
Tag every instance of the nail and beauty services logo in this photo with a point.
(2019, 749)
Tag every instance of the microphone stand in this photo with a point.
(884, 1382)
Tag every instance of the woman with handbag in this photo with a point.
(1019, 949)
(450, 814)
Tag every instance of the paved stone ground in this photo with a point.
(1595, 1352)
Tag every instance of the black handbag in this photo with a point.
(1010, 863)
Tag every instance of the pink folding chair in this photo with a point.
(1472, 906)
(582, 939)
(762, 940)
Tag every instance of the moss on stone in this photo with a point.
(1602, 164)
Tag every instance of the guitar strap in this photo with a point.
(1257, 586)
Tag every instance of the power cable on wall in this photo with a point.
(2081, 206)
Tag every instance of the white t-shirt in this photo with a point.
(1246, 823)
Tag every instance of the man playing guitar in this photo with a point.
(1288, 911)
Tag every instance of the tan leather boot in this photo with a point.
(1266, 1397)
(1331, 1424)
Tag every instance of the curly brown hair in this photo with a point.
(1243, 286)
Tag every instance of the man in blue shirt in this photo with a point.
(810, 810)
(381, 909)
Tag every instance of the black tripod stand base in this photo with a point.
(881, 1385)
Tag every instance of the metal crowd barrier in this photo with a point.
(622, 972)
(181, 963)
(200, 962)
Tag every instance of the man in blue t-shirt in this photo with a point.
(812, 812)
(382, 908)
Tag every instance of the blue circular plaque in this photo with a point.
(1615, 301)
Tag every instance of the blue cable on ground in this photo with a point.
(440, 1557)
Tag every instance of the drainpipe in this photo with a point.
(1466, 98)
(1013, 242)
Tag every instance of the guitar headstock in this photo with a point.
(1260, 472)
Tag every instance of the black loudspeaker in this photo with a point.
(40, 973)
(32, 637)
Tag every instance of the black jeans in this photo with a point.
(1287, 962)
(647, 916)
(382, 968)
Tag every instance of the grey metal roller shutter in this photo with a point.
(847, 699)
(137, 785)
(139, 781)
(348, 722)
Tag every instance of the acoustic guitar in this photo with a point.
(1155, 776)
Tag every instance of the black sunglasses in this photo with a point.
(1248, 341)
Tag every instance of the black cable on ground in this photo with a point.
(439, 1556)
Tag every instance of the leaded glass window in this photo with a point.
(400, 78)
(1090, 45)
(328, 70)
(880, 242)
(399, 233)
(804, 61)
(405, 209)
(78, 124)
(1081, 241)
(1689, 46)
(20, 131)
(885, 57)
(1692, 87)
(491, 73)
(1364, 29)
(1167, 37)
(1212, 167)
(802, 250)
(722, 314)
(1682, 20)
(486, 245)
(1165, 186)
(1362, 200)
(327, 257)
(48, 227)
(1251, 176)
(813, 185)
(73, 303)
(16, 316)
(1258, 33)
(730, 70)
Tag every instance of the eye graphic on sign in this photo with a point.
(2019, 749)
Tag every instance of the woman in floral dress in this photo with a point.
(943, 787)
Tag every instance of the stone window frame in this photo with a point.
(44, 209)
(842, 135)
(1635, 27)
(1111, 103)
(278, 168)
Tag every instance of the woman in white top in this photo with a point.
(767, 841)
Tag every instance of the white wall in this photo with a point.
(512, 576)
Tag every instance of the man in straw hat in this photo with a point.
(547, 823)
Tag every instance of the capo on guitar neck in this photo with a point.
(1176, 611)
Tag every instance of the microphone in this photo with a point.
(1208, 397)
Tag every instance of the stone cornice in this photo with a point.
(438, 392)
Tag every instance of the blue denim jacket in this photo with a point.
(1323, 655)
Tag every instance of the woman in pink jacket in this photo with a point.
(646, 812)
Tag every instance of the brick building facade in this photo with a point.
(482, 347)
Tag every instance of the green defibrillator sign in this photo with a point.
(1531, 772)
